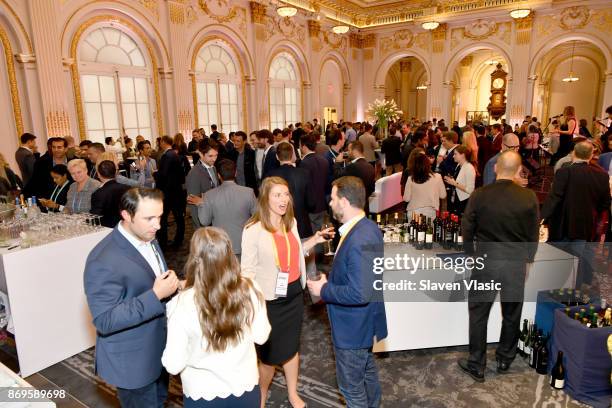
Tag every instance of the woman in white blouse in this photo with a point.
(464, 181)
(424, 188)
(213, 325)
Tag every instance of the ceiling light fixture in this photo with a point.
(571, 77)
(519, 13)
(286, 11)
(421, 87)
(340, 29)
(430, 25)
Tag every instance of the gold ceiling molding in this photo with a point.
(360, 41)
(314, 28)
(12, 77)
(480, 29)
(20, 24)
(231, 14)
(258, 12)
(524, 27)
(152, 6)
(573, 18)
(602, 20)
(76, 83)
(286, 27)
(401, 39)
(335, 41)
(177, 13)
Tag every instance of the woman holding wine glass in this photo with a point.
(273, 255)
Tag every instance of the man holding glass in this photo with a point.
(356, 312)
(126, 283)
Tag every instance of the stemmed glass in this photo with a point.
(328, 238)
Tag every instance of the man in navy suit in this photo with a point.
(126, 280)
(265, 139)
(356, 312)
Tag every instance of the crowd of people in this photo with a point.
(261, 205)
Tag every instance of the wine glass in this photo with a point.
(328, 239)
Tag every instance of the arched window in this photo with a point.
(115, 85)
(218, 87)
(284, 85)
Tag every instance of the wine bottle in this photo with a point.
(594, 321)
(582, 313)
(378, 221)
(449, 234)
(533, 358)
(429, 233)
(542, 363)
(577, 316)
(421, 231)
(557, 375)
(459, 244)
(413, 229)
(522, 338)
(567, 311)
(527, 346)
(436, 227)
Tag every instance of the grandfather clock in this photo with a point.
(497, 107)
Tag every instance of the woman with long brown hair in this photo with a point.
(212, 326)
(273, 255)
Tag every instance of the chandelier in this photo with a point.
(430, 25)
(571, 77)
(286, 11)
(520, 13)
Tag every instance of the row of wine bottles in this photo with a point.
(533, 346)
(422, 232)
(570, 297)
(592, 318)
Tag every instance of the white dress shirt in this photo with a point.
(206, 373)
(146, 250)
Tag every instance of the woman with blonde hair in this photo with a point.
(273, 254)
(79, 193)
(469, 141)
(213, 325)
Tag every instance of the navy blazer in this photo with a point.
(130, 321)
(356, 312)
(604, 161)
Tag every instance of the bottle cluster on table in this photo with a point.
(591, 317)
(422, 232)
(533, 347)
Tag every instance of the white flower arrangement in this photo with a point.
(384, 111)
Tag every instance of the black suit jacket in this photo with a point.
(105, 202)
(509, 228)
(299, 187)
(391, 148)
(448, 165)
(361, 169)
(249, 166)
(170, 178)
(41, 183)
(270, 162)
(318, 168)
(579, 193)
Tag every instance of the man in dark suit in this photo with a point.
(506, 235)
(391, 148)
(25, 156)
(299, 186)
(485, 149)
(170, 179)
(202, 177)
(126, 280)
(94, 151)
(244, 157)
(318, 169)
(105, 200)
(580, 193)
(192, 147)
(358, 167)
(335, 140)
(356, 311)
(228, 206)
(265, 139)
(41, 183)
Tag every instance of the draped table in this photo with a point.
(47, 308)
(418, 319)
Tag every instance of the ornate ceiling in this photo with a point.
(371, 13)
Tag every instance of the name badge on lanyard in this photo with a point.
(282, 276)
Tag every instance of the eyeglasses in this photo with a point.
(515, 147)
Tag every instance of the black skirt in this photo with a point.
(285, 316)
